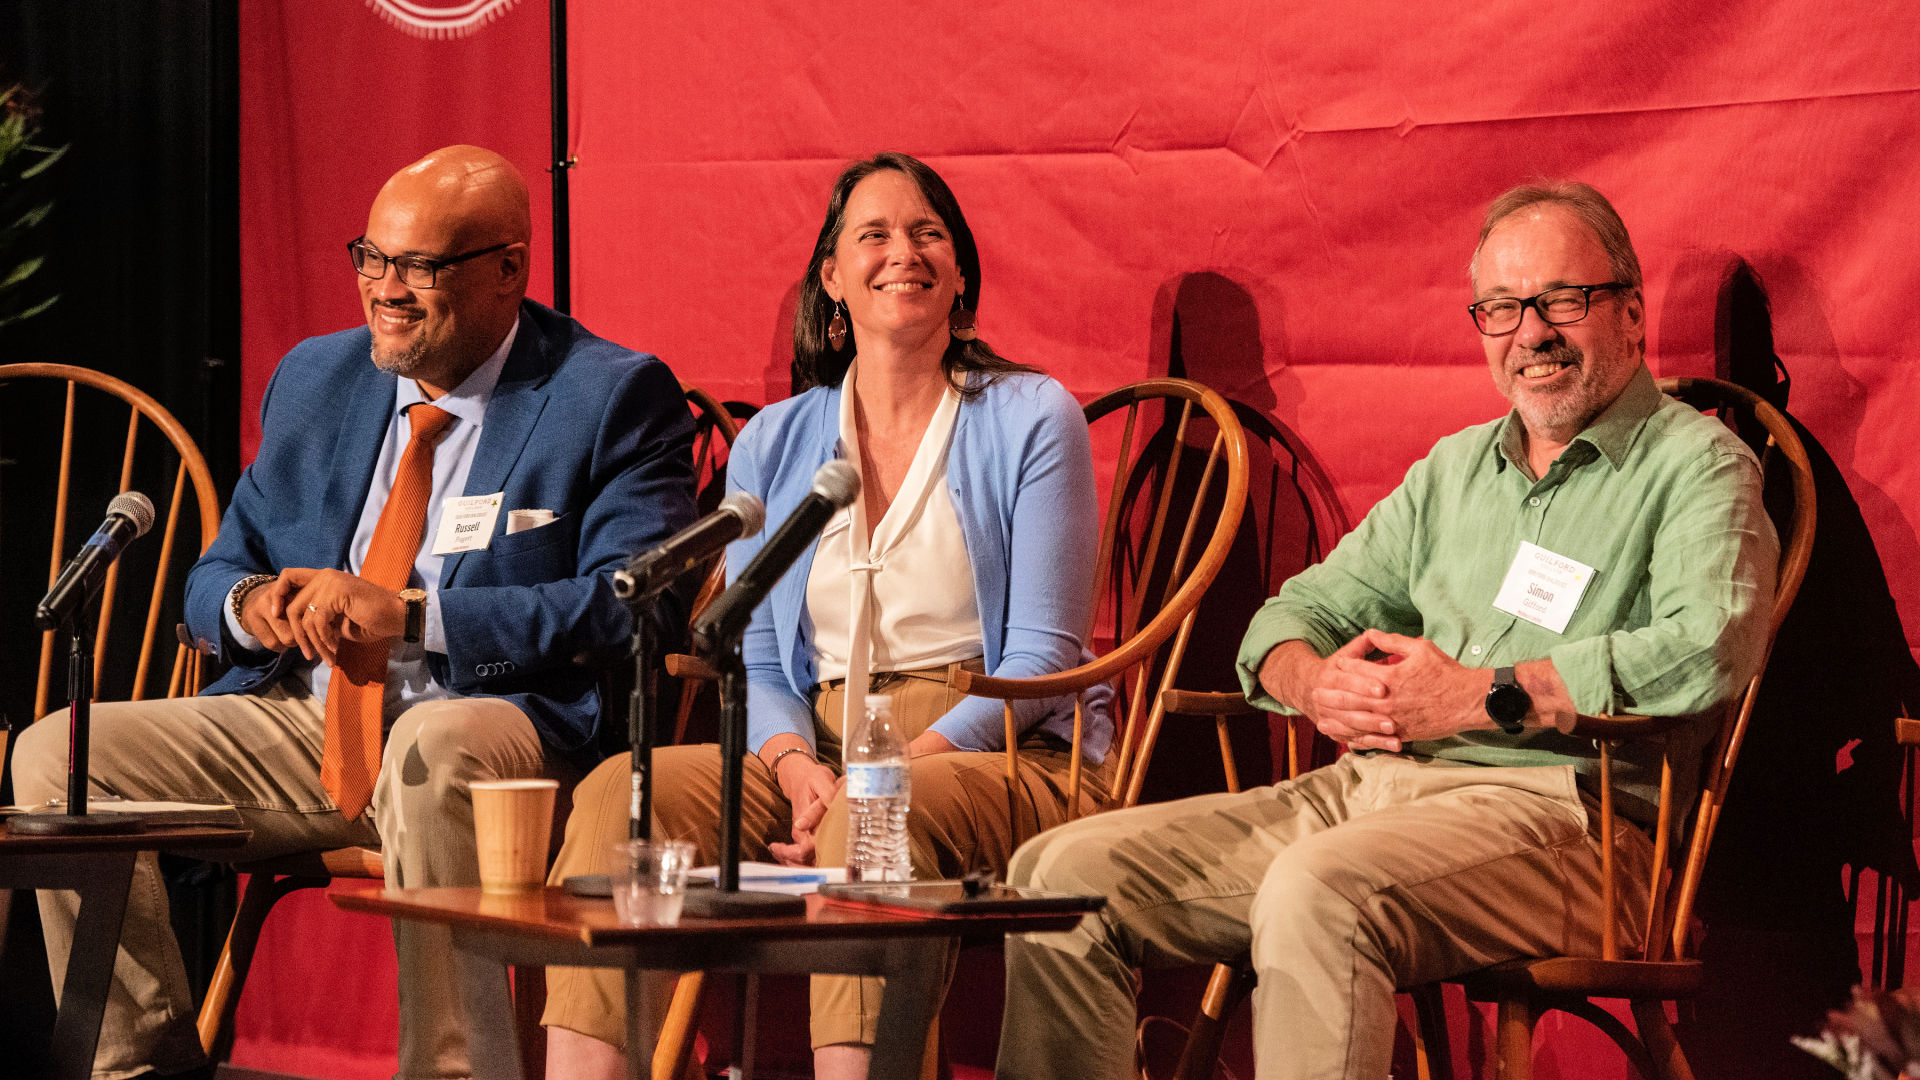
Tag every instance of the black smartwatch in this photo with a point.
(416, 624)
(1507, 702)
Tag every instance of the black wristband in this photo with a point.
(1508, 702)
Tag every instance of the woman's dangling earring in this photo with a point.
(837, 326)
(960, 321)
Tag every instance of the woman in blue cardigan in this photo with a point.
(972, 545)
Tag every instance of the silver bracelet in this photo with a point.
(775, 767)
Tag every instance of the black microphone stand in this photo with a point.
(642, 708)
(76, 821)
(727, 900)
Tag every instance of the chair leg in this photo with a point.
(529, 1001)
(236, 958)
(674, 1049)
(1514, 1037)
(1225, 991)
(1624, 1037)
(1657, 1035)
(1432, 1051)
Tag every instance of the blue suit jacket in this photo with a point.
(596, 433)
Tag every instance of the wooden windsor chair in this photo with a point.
(135, 578)
(192, 497)
(1664, 970)
(1172, 512)
(1294, 516)
(1892, 900)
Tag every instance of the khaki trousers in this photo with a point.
(262, 754)
(1371, 873)
(961, 820)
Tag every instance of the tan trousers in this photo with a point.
(1371, 873)
(961, 820)
(262, 754)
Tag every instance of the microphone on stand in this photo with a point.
(835, 486)
(738, 515)
(717, 634)
(640, 584)
(129, 516)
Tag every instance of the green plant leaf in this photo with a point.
(34, 216)
(44, 163)
(29, 313)
(21, 272)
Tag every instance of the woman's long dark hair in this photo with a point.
(823, 365)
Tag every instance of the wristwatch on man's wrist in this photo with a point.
(1508, 702)
(416, 624)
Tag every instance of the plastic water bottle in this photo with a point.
(877, 796)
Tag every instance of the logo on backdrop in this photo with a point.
(440, 18)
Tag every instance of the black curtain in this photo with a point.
(142, 247)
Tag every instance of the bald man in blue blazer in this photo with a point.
(561, 456)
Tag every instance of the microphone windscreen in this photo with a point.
(136, 508)
(838, 482)
(749, 509)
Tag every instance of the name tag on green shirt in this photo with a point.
(1543, 588)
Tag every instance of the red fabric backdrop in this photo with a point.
(1329, 161)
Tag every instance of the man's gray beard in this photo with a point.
(1572, 407)
(404, 363)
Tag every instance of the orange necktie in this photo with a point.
(358, 687)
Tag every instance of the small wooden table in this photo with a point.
(492, 933)
(99, 868)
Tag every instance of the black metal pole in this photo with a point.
(562, 161)
(643, 729)
(75, 820)
(733, 744)
(729, 901)
(79, 712)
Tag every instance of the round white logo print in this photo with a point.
(440, 18)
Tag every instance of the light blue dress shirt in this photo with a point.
(409, 679)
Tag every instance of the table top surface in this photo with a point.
(153, 838)
(553, 914)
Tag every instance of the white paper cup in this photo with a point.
(649, 879)
(512, 825)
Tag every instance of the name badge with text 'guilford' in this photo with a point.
(466, 523)
(1543, 588)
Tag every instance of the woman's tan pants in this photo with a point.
(962, 819)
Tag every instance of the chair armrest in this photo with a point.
(1616, 728)
(1207, 703)
(189, 642)
(683, 666)
(347, 862)
(1906, 731)
(1059, 684)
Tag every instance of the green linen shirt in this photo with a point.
(1663, 502)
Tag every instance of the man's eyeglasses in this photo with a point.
(1567, 304)
(416, 271)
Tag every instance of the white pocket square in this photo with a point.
(522, 520)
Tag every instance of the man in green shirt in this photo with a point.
(1600, 549)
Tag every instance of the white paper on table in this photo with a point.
(775, 878)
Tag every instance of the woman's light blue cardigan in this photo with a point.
(1020, 475)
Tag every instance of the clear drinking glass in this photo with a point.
(649, 879)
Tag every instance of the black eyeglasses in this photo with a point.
(416, 271)
(1567, 304)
